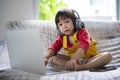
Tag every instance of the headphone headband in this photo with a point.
(76, 14)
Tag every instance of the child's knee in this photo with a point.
(107, 55)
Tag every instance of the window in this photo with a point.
(49, 8)
(94, 9)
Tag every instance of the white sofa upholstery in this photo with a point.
(107, 35)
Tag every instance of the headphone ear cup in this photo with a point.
(59, 33)
(78, 24)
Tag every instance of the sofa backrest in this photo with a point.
(103, 30)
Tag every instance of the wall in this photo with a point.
(17, 10)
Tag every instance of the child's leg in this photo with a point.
(95, 62)
(60, 60)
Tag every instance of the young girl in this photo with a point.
(81, 52)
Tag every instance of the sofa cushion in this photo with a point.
(107, 34)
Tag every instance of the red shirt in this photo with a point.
(82, 35)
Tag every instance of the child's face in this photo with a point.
(66, 26)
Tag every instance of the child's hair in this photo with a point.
(69, 13)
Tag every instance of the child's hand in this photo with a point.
(70, 64)
(45, 61)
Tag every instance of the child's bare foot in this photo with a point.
(58, 61)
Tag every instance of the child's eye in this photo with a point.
(59, 24)
(67, 21)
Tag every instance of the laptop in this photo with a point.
(26, 53)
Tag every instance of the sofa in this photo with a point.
(107, 34)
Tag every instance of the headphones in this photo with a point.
(77, 22)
